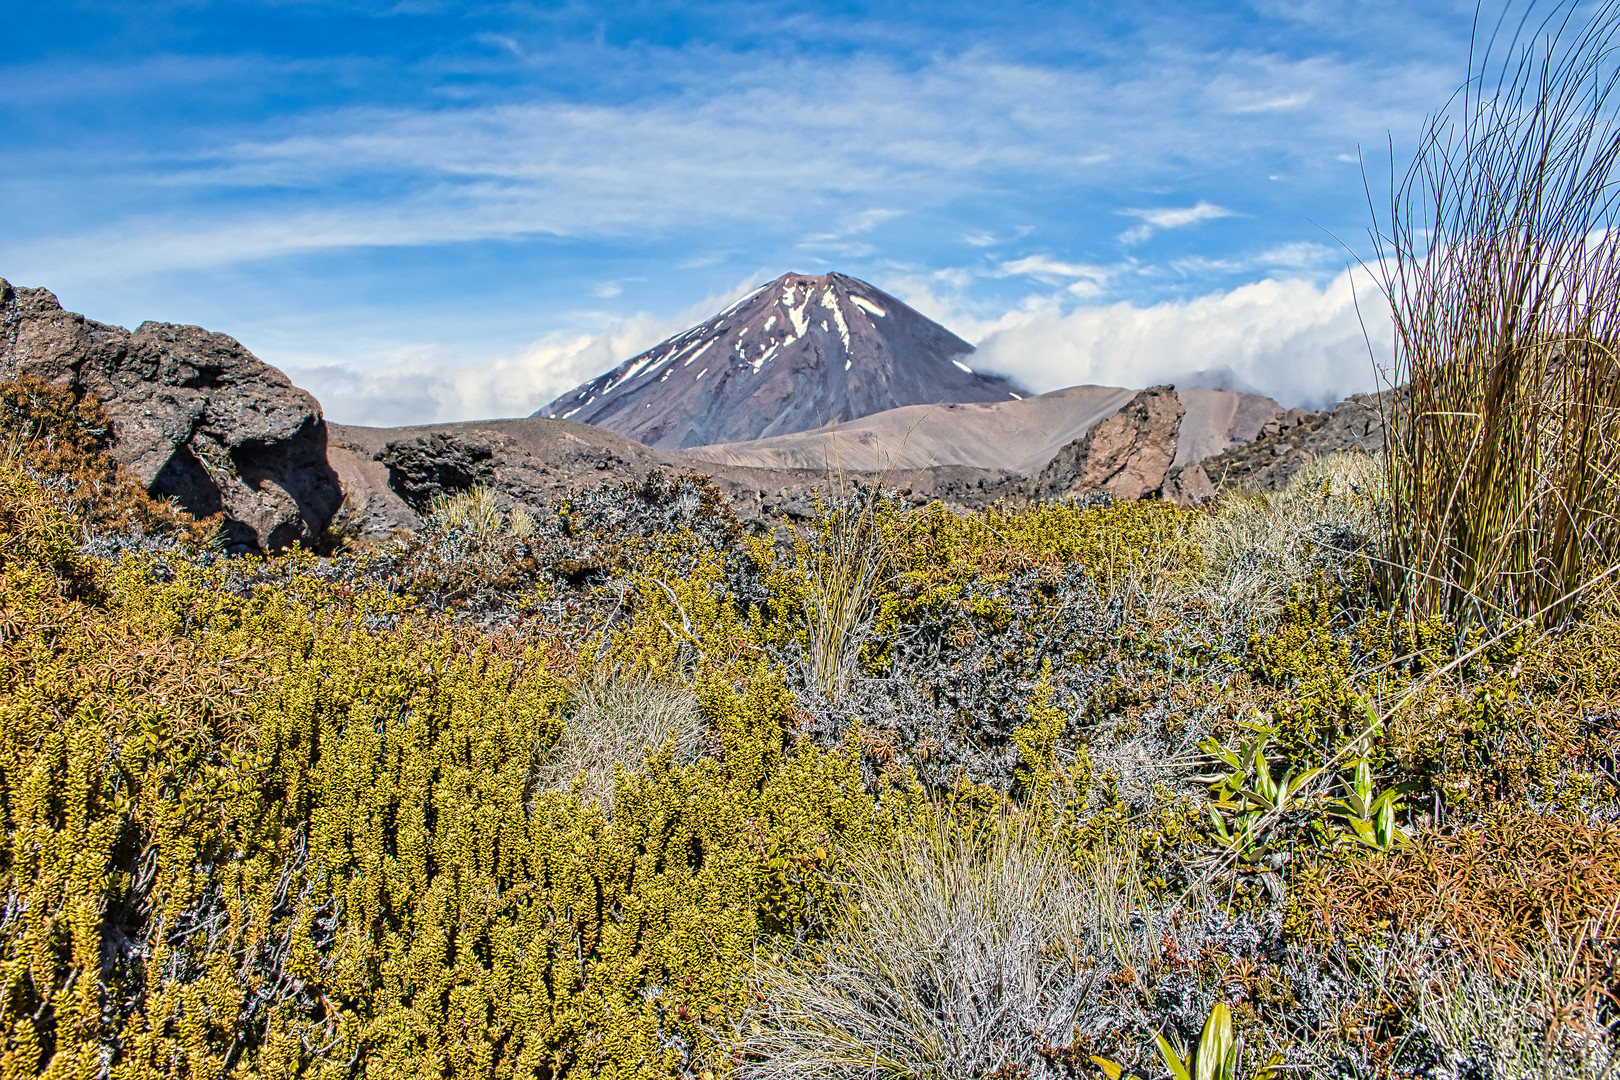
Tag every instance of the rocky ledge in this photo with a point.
(1287, 442)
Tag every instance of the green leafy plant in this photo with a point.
(1252, 793)
(1217, 1056)
(1366, 814)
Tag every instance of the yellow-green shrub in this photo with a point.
(246, 834)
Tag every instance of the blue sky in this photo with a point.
(429, 210)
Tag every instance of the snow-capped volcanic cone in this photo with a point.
(792, 356)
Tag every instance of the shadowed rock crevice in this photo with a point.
(184, 479)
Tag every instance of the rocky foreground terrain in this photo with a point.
(197, 417)
(392, 475)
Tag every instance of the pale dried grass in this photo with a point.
(1257, 548)
(967, 953)
(616, 720)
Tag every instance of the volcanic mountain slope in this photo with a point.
(1017, 436)
(793, 355)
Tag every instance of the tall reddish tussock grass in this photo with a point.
(1500, 259)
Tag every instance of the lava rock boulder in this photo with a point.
(195, 415)
(1128, 455)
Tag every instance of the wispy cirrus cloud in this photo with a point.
(1178, 217)
(1080, 279)
(737, 153)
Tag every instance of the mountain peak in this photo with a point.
(790, 356)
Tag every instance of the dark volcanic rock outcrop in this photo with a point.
(796, 354)
(194, 414)
(1288, 441)
(437, 463)
(1126, 455)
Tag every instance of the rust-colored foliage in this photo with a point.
(61, 439)
(1492, 890)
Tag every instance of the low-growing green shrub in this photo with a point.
(245, 833)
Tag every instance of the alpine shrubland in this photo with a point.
(575, 797)
(1322, 782)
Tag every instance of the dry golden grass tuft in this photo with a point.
(1257, 548)
(616, 720)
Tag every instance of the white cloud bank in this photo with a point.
(428, 386)
(1299, 342)
(399, 386)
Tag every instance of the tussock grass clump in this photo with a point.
(472, 511)
(1501, 265)
(1547, 1016)
(615, 721)
(966, 954)
(847, 567)
(1257, 549)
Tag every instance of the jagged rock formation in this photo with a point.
(1289, 440)
(797, 353)
(195, 416)
(1126, 455)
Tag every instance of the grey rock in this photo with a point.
(1187, 485)
(1290, 439)
(800, 352)
(438, 463)
(195, 416)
